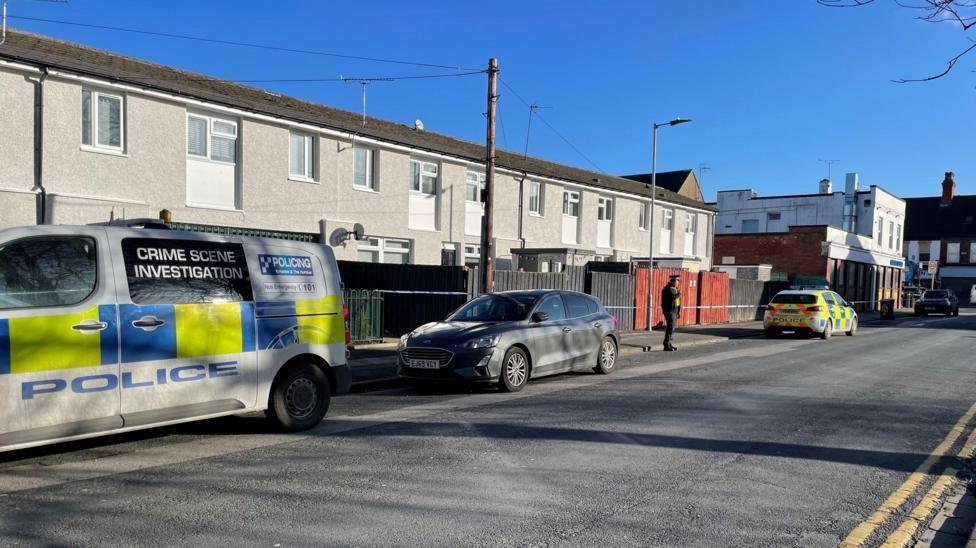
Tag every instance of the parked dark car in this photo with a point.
(508, 338)
(942, 301)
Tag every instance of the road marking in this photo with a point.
(34, 475)
(905, 534)
(862, 532)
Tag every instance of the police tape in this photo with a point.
(712, 307)
(406, 292)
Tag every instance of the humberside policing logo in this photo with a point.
(285, 265)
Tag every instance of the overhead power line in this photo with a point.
(300, 80)
(551, 128)
(236, 43)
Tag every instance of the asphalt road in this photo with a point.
(752, 442)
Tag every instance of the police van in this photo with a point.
(107, 329)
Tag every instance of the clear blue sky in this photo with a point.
(772, 85)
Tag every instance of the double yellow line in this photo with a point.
(904, 534)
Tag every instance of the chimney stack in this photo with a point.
(826, 187)
(948, 188)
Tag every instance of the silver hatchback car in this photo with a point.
(508, 338)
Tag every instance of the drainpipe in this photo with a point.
(521, 198)
(39, 150)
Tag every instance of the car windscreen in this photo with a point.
(494, 308)
(935, 295)
(795, 298)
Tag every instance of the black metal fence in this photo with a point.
(412, 294)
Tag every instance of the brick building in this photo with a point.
(850, 239)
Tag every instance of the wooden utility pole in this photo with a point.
(487, 245)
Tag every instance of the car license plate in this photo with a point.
(425, 364)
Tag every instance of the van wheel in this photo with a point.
(515, 371)
(828, 330)
(606, 360)
(299, 398)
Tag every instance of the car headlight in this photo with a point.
(487, 341)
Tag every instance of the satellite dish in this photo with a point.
(418, 125)
(358, 232)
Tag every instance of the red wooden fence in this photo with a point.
(713, 291)
(697, 289)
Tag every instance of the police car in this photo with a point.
(107, 329)
(813, 311)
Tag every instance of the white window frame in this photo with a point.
(211, 133)
(571, 197)
(880, 231)
(308, 143)
(93, 145)
(472, 251)
(382, 249)
(370, 185)
(691, 231)
(478, 180)
(604, 210)
(949, 253)
(643, 219)
(424, 169)
(539, 209)
(667, 223)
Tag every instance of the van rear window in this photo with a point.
(164, 271)
(795, 298)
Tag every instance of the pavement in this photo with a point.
(376, 363)
(745, 442)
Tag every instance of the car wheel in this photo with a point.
(828, 330)
(956, 311)
(853, 329)
(300, 398)
(515, 371)
(606, 360)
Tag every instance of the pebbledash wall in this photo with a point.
(150, 172)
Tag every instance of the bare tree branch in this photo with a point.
(961, 13)
(952, 62)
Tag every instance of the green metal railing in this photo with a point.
(365, 315)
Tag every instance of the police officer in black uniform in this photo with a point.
(671, 307)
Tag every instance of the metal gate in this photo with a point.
(365, 315)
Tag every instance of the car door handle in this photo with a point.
(89, 326)
(567, 329)
(597, 324)
(148, 323)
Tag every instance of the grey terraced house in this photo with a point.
(107, 136)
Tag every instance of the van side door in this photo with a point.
(58, 335)
(186, 324)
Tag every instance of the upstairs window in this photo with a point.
(604, 210)
(474, 183)
(571, 203)
(211, 138)
(423, 177)
(750, 226)
(952, 252)
(643, 216)
(536, 198)
(301, 155)
(363, 169)
(102, 120)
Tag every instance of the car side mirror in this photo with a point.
(539, 317)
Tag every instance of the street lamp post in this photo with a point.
(650, 254)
